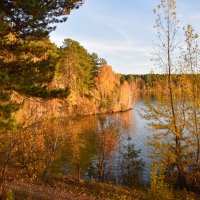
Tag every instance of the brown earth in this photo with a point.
(72, 190)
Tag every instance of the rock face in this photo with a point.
(108, 95)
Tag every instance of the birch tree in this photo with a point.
(165, 116)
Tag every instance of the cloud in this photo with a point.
(117, 48)
(195, 17)
(124, 56)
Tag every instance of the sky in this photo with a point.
(121, 31)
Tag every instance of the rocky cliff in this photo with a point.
(107, 95)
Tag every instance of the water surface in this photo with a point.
(92, 129)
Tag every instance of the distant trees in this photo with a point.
(146, 82)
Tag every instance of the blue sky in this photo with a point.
(121, 31)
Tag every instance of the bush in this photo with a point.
(159, 189)
(9, 195)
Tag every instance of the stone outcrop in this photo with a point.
(108, 95)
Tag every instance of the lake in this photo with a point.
(137, 128)
(93, 144)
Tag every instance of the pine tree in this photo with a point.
(26, 66)
(77, 66)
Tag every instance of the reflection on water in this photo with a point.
(136, 127)
(139, 135)
(91, 145)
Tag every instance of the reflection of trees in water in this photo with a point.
(126, 121)
(108, 133)
(80, 145)
(85, 146)
(92, 144)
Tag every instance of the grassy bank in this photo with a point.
(66, 189)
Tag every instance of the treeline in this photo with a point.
(152, 82)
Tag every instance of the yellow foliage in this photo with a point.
(159, 189)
